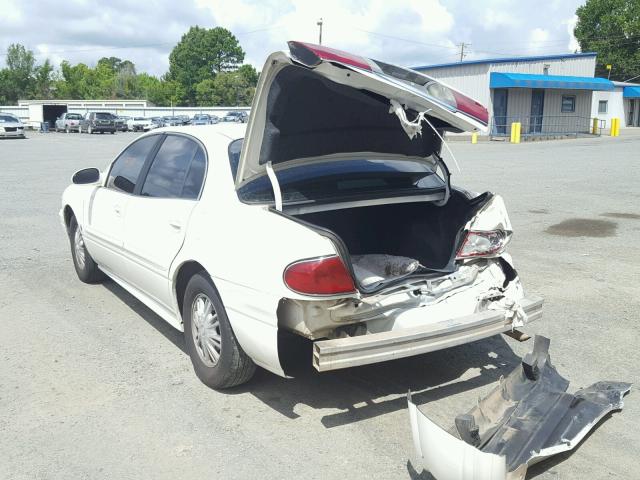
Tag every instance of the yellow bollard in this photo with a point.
(615, 127)
(518, 126)
(513, 132)
(594, 127)
(474, 137)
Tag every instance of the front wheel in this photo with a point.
(85, 266)
(217, 358)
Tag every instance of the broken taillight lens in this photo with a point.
(319, 276)
(483, 243)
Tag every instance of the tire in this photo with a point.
(89, 130)
(66, 129)
(232, 366)
(85, 266)
(112, 132)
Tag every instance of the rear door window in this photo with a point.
(177, 170)
(125, 171)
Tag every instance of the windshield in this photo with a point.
(103, 116)
(337, 180)
(8, 118)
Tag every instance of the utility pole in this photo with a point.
(462, 47)
(319, 23)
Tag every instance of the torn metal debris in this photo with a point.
(528, 417)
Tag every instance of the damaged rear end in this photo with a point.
(349, 147)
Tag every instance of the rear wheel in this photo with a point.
(85, 266)
(67, 129)
(217, 358)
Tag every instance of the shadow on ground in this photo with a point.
(362, 392)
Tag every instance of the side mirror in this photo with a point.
(86, 175)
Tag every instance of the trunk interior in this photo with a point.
(418, 231)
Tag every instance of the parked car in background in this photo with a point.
(184, 119)
(176, 217)
(121, 123)
(171, 122)
(214, 119)
(138, 124)
(157, 122)
(236, 116)
(201, 119)
(98, 122)
(11, 126)
(68, 122)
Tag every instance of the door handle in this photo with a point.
(176, 224)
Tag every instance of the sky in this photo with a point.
(404, 32)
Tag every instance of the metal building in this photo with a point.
(549, 95)
(622, 102)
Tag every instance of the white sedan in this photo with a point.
(329, 224)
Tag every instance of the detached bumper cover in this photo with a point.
(379, 347)
(528, 417)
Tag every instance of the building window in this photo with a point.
(568, 104)
(603, 106)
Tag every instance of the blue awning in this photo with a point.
(527, 80)
(631, 92)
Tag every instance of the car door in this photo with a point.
(104, 229)
(156, 219)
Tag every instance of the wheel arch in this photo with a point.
(181, 278)
(68, 215)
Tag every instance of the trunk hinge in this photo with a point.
(446, 177)
(277, 194)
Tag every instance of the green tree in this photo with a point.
(612, 29)
(202, 54)
(43, 81)
(228, 88)
(17, 79)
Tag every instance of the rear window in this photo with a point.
(103, 116)
(342, 180)
(74, 116)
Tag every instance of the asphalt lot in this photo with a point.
(93, 385)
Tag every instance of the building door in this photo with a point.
(500, 99)
(630, 119)
(537, 108)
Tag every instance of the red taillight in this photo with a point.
(319, 276)
(471, 107)
(311, 55)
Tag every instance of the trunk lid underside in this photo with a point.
(319, 102)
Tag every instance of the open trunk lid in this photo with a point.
(317, 103)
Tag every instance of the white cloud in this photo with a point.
(406, 32)
(573, 44)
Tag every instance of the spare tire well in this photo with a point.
(186, 271)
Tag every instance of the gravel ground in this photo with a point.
(93, 385)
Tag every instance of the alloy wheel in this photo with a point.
(205, 330)
(78, 248)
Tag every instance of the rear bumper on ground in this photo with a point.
(379, 347)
